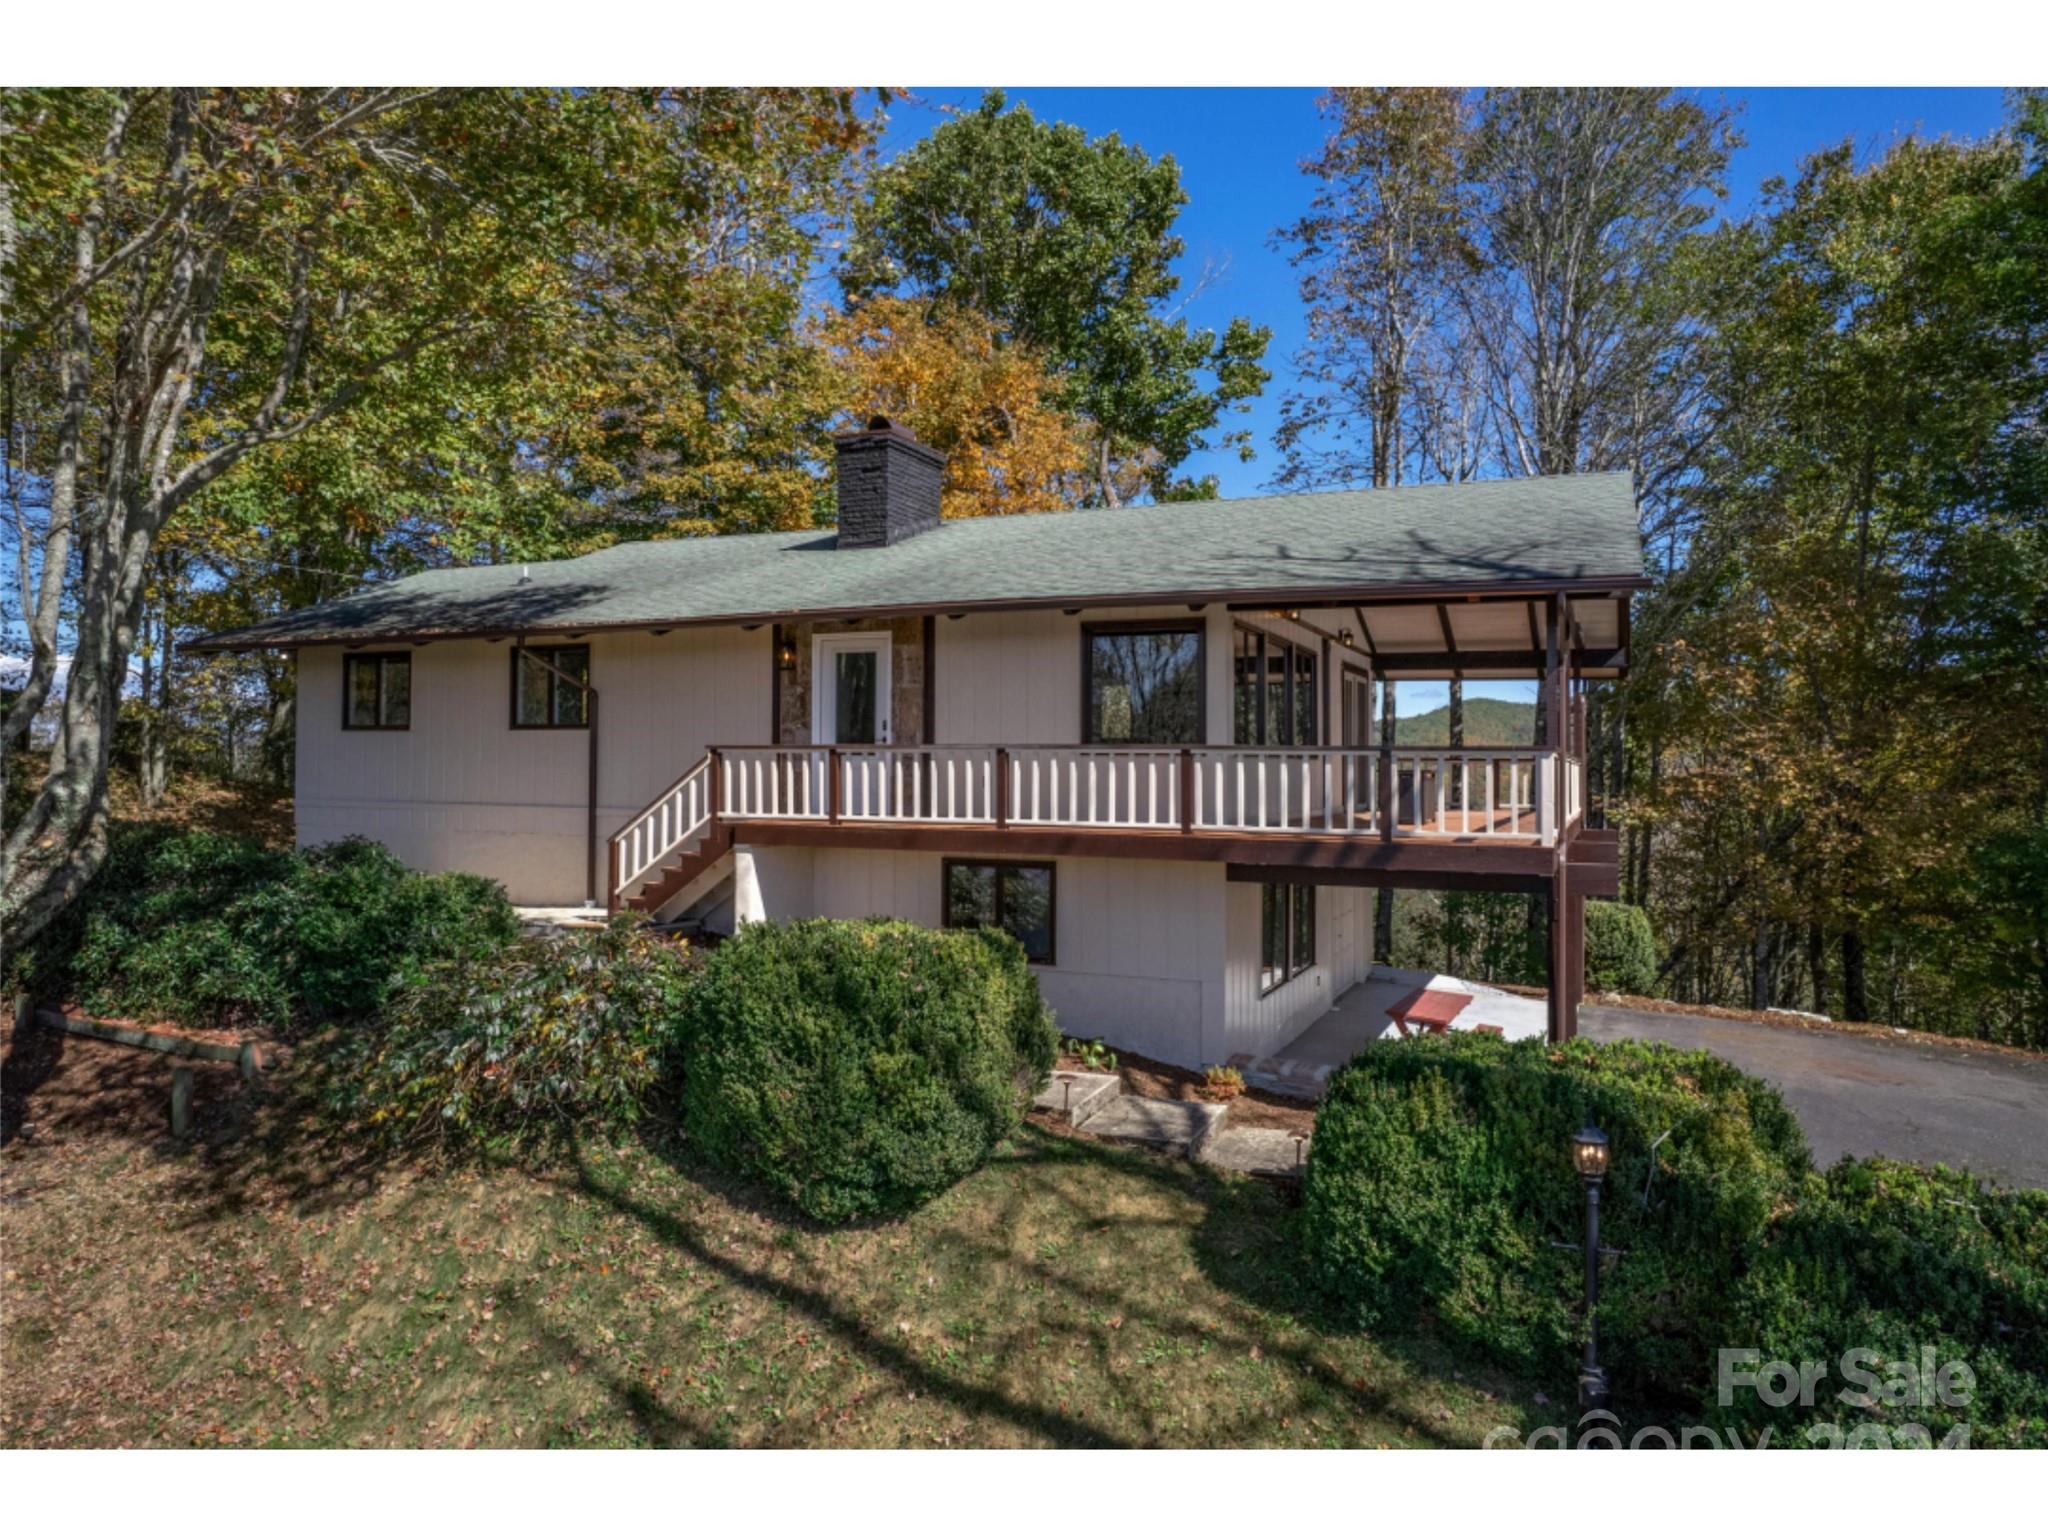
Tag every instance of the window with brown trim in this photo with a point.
(1142, 683)
(1273, 697)
(376, 691)
(1015, 897)
(543, 698)
(1287, 933)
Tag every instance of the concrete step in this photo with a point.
(1284, 1075)
(1079, 1096)
(1259, 1150)
(1177, 1126)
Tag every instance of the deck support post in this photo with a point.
(1561, 986)
(1576, 904)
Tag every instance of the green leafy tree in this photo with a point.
(1852, 693)
(404, 287)
(1067, 244)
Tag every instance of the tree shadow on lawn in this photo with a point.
(279, 1144)
(1237, 1240)
(1171, 1219)
(859, 1336)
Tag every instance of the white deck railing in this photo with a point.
(1491, 794)
(676, 816)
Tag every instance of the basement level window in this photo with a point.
(549, 687)
(376, 691)
(1287, 933)
(1014, 897)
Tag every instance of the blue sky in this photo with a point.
(1239, 151)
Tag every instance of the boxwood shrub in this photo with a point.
(1621, 952)
(1898, 1260)
(528, 1047)
(860, 1068)
(1441, 1179)
(1440, 1192)
(204, 928)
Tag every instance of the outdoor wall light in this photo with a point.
(785, 654)
(1345, 638)
(1589, 1157)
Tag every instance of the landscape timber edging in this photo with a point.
(246, 1055)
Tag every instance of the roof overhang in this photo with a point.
(1457, 598)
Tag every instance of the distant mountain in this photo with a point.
(1488, 723)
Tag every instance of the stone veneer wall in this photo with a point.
(906, 678)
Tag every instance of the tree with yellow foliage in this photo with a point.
(992, 408)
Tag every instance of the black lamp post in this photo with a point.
(1589, 1156)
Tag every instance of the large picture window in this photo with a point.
(1274, 697)
(1287, 933)
(542, 696)
(1017, 898)
(376, 692)
(1142, 682)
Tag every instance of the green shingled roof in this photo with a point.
(1568, 530)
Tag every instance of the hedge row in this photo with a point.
(1441, 1192)
(208, 929)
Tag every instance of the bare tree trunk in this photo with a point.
(1817, 966)
(154, 770)
(1855, 996)
(279, 739)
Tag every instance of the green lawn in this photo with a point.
(1069, 1294)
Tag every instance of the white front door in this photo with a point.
(850, 693)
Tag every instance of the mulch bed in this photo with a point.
(1254, 1108)
(56, 1087)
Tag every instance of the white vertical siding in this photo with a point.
(462, 790)
(1259, 1025)
(1158, 957)
(1016, 677)
(1136, 941)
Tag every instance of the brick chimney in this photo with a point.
(888, 486)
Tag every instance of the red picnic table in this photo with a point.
(1428, 1008)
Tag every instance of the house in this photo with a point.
(1140, 739)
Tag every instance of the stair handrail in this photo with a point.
(671, 819)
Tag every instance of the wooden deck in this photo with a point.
(1482, 818)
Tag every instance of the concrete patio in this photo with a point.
(1303, 1066)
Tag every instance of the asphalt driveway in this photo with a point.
(1866, 1096)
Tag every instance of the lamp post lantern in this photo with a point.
(1589, 1157)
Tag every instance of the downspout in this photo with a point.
(590, 699)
